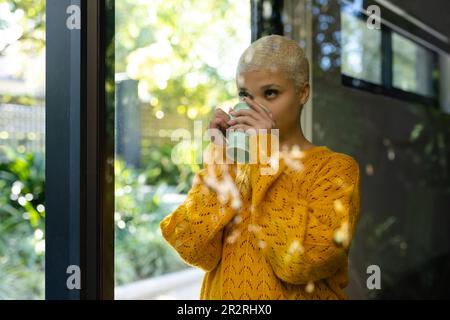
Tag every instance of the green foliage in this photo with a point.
(22, 184)
(432, 138)
(25, 19)
(140, 250)
(32, 22)
(161, 169)
(22, 226)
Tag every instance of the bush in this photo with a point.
(22, 231)
(141, 251)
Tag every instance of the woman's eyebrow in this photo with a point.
(264, 87)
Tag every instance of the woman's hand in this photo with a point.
(219, 122)
(258, 117)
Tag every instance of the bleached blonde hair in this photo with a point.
(276, 53)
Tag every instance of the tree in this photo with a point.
(183, 53)
(26, 22)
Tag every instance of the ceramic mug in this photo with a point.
(237, 148)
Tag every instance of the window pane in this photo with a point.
(412, 66)
(22, 144)
(361, 49)
(175, 63)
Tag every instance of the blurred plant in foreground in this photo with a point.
(22, 233)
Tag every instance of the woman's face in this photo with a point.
(276, 92)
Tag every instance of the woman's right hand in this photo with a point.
(219, 122)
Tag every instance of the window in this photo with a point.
(361, 49)
(412, 66)
(385, 62)
(22, 149)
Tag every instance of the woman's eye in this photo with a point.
(269, 93)
(275, 92)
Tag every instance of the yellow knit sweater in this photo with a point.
(288, 239)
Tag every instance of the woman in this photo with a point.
(283, 235)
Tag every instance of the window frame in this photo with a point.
(386, 88)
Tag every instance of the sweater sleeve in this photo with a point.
(195, 228)
(307, 239)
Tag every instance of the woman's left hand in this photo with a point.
(258, 117)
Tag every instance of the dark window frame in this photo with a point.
(387, 88)
(97, 152)
(79, 150)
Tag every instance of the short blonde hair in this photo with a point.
(276, 53)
